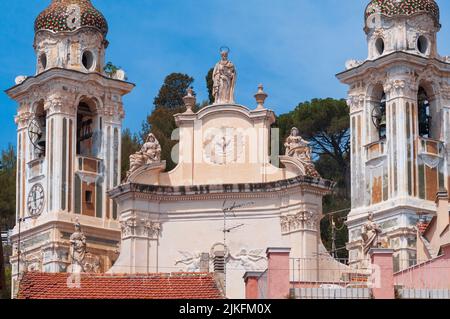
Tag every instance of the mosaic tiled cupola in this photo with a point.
(71, 34)
(392, 8)
(70, 15)
(402, 25)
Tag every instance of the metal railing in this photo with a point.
(262, 286)
(431, 274)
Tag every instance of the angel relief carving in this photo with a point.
(191, 261)
(247, 260)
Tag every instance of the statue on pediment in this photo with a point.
(224, 78)
(148, 154)
(299, 149)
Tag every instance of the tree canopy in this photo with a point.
(8, 193)
(130, 145)
(172, 91)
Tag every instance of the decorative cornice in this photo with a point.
(68, 74)
(310, 184)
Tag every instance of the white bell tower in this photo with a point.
(400, 116)
(68, 141)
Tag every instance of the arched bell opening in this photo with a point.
(88, 139)
(377, 126)
(37, 129)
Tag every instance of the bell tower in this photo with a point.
(68, 141)
(400, 116)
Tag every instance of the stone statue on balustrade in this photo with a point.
(299, 149)
(224, 78)
(148, 154)
(371, 235)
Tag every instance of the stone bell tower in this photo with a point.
(68, 141)
(400, 116)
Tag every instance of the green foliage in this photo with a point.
(7, 207)
(130, 145)
(2, 271)
(8, 193)
(110, 69)
(173, 90)
(210, 85)
(7, 290)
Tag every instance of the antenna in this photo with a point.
(226, 212)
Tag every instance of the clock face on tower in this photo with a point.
(35, 202)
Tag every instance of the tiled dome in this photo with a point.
(70, 15)
(403, 7)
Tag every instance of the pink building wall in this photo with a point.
(433, 274)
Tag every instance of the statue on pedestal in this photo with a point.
(77, 248)
(224, 77)
(370, 235)
(299, 148)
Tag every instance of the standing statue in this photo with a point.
(77, 247)
(224, 77)
(149, 153)
(370, 235)
(299, 148)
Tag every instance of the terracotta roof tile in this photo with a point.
(36, 285)
(422, 227)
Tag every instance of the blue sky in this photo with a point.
(293, 47)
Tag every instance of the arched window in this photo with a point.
(37, 131)
(85, 127)
(379, 117)
(424, 114)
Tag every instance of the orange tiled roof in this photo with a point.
(36, 285)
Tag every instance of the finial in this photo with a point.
(260, 97)
(190, 100)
